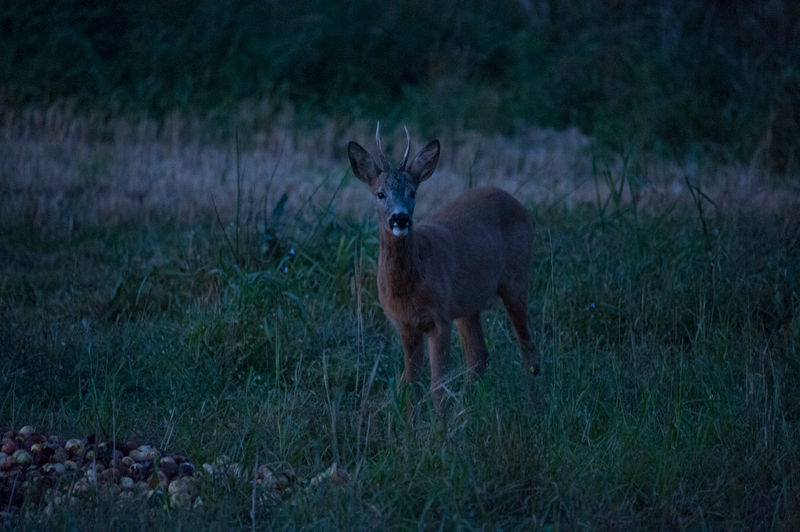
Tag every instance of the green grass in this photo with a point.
(669, 395)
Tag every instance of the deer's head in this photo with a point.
(394, 188)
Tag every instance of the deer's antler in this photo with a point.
(408, 147)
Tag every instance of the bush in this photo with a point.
(720, 76)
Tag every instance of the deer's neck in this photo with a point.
(398, 268)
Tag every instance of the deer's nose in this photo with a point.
(401, 220)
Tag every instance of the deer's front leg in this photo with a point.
(439, 354)
(412, 351)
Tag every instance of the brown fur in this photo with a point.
(449, 267)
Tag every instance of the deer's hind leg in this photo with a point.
(516, 303)
(475, 350)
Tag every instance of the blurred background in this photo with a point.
(715, 78)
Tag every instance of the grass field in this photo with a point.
(219, 299)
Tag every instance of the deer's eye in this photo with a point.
(381, 195)
(412, 194)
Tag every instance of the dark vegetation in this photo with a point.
(669, 330)
(719, 78)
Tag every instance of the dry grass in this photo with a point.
(61, 169)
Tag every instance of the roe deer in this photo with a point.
(450, 266)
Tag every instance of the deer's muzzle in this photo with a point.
(399, 223)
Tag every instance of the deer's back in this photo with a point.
(487, 207)
(477, 242)
(483, 219)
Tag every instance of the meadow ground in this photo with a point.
(217, 298)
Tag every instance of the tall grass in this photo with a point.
(668, 334)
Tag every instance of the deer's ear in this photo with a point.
(363, 164)
(425, 162)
